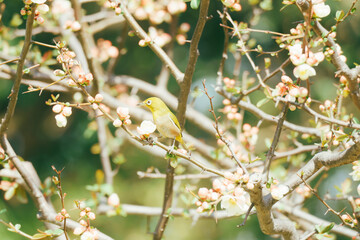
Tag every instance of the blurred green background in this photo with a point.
(35, 137)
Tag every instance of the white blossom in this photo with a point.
(321, 10)
(61, 120)
(39, 1)
(304, 71)
(235, 205)
(278, 192)
(146, 127)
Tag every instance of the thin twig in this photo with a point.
(220, 135)
(10, 61)
(338, 214)
(178, 75)
(62, 197)
(270, 153)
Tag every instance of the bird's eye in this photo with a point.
(148, 102)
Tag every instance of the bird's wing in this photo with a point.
(175, 123)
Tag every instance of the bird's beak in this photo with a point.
(141, 104)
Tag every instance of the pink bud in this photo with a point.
(82, 213)
(117, 123)
(127, 121)
(122, 112)
(114, 200)
(91, 215)
(216, 185)
(40, 20)
(203, 192)
(98, 97)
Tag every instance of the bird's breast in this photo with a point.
(166, 126)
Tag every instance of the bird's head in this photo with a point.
(154, 104)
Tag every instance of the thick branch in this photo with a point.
(19, 73)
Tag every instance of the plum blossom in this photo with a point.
(113, 200)
(235, 205)
(321, 10)
(39, 1)
(278, 192)
(61, 120)
(356, 171)
(146, 128)
(304, 71)
(91, 234)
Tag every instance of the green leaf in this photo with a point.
(106, 189)
(339, 15)
(56, 231)
(9, 193)
(21, 195)
(37, 236)
(324, 228)
(195, 4)
(173, 162)
(16, 20)
(2, 211)
(92, 188)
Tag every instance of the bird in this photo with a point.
(166, 122)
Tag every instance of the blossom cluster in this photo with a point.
(62, 113)
(104, 50)
(72, 25)
(231, 111)
(85, 231)
(156, 12)
(304, 60)
(63, 214)
(232, 4)
(249, 136)
(123, 117)
(356, 171)
(292, 92)
(41, 8)
(232, 197)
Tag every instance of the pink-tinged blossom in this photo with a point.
(176, 6)
(356, 171)
(40, 20)
(98, 97)
(203, 192)
(79, 230)
(278, 192)
(123, 113)
(113, 200)
(304, 71)
(91, 215)
(117, 123)
(91, 234)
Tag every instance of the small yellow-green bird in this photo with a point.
(165, 121)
